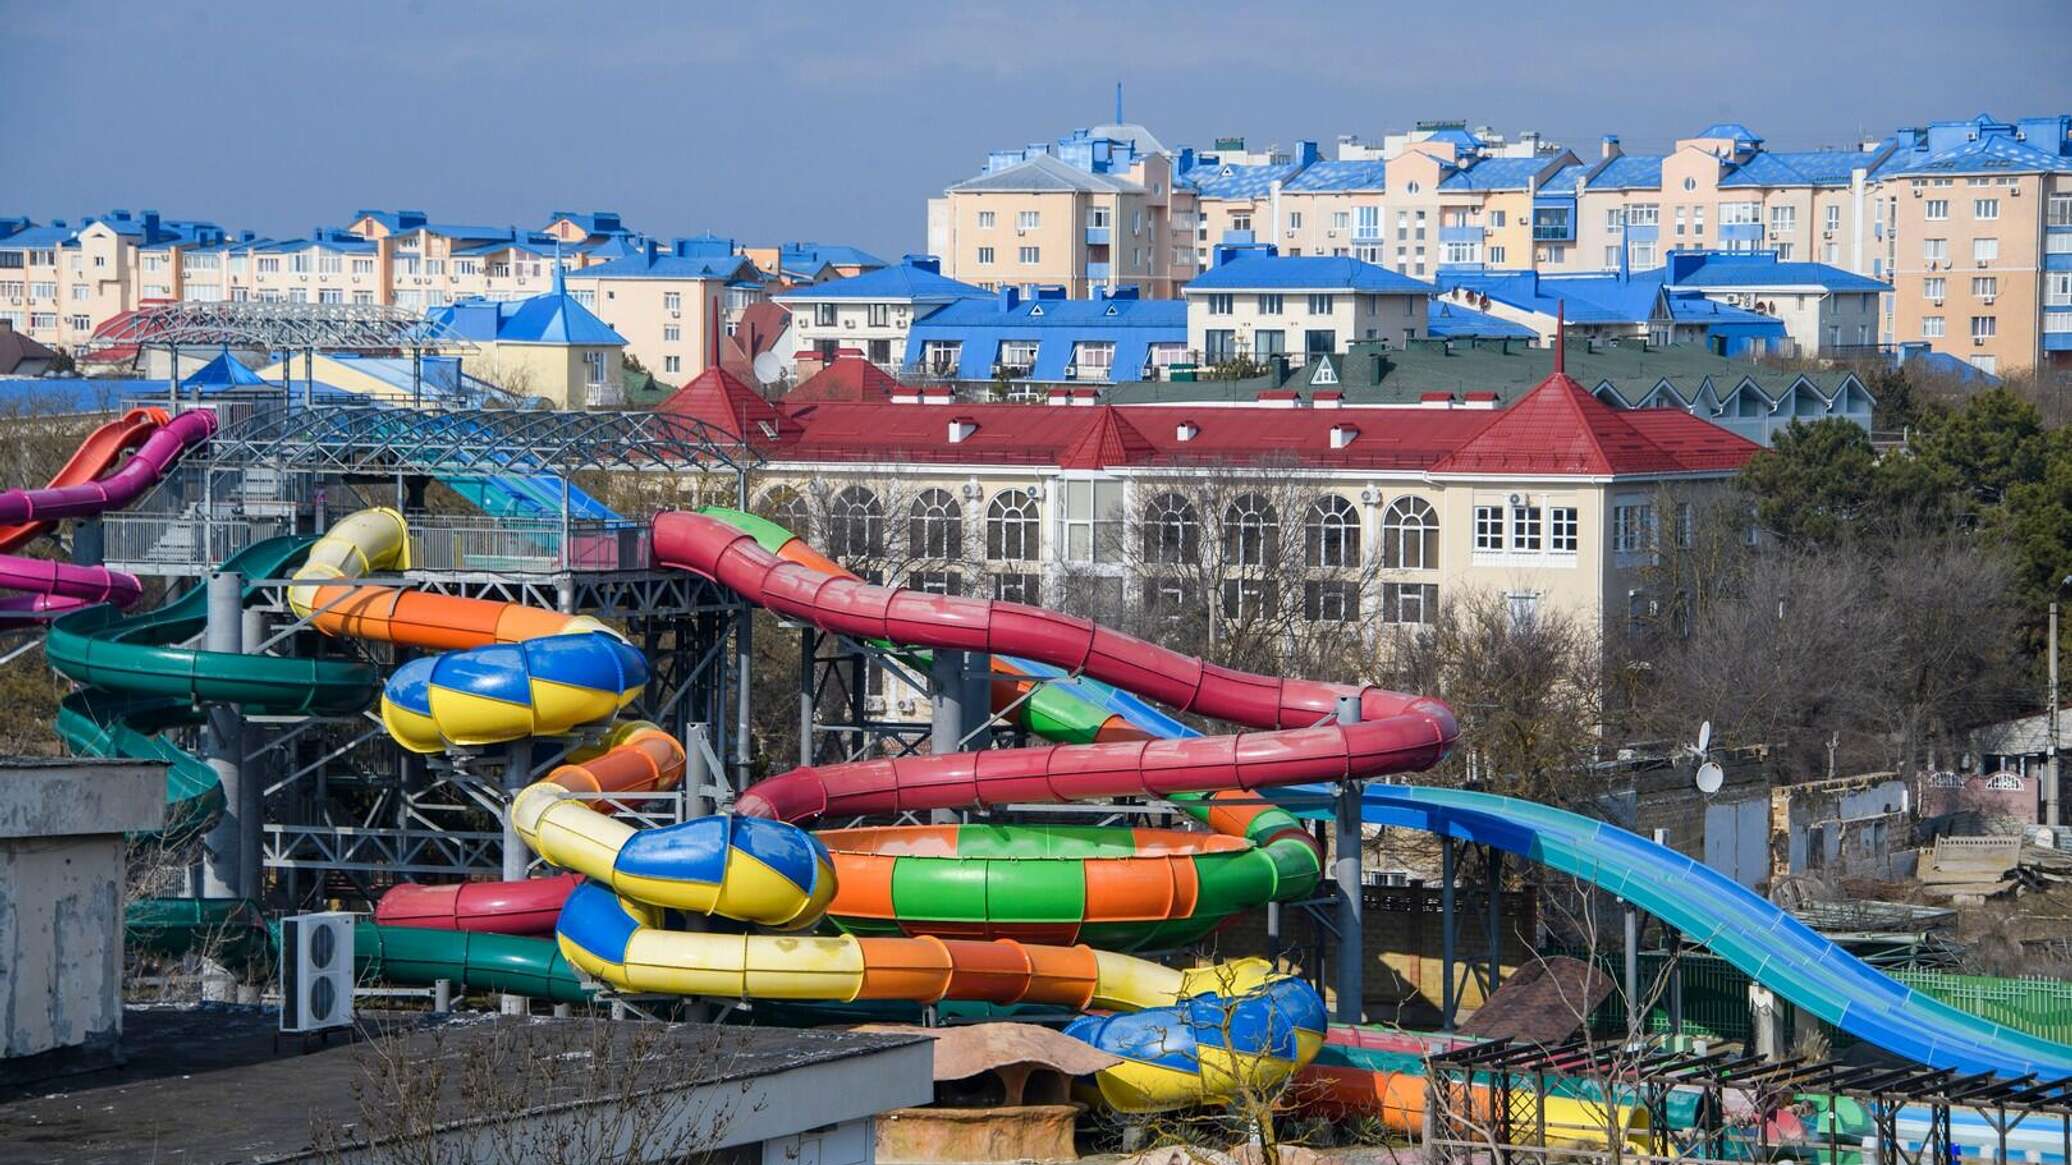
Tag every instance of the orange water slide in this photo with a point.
(102, 450)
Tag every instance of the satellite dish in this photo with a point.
(1704, 737)
(768, 368)
(1711, 777)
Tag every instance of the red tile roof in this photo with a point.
(849, 378)
(1556, 430)
(719, 399)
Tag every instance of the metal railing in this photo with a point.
(192, 544)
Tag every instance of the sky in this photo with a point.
(772, 122)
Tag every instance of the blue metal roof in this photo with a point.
(1991, 153)
(907, 281)
(1565, 178)
(552, 318)
(1329, 176)
(1762, 269)
(1592, 299)
(1451, 321)
(656, 264)
(1254, 271)
(1809, 168)
(1494, 174)
(1230, 180)
(1459, 137)
(1732, 130)
(39, 238)
(1056, 326)
(225, 371)
(810, 257)
(1630, 172)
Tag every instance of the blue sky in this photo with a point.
(768, 122)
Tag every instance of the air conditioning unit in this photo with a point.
(1978, 341)
(1331, 234)
(1936, 302)
(2014, 192)
(1986, 298)
(1980, 262)
(316, 971)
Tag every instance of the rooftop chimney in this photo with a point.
(1609, 147)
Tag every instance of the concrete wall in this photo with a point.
(61, 889)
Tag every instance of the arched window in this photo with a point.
(1013, 533)
(784, 506)
(856, 524)
(1410, 535)
(1251, 531)
(1172, 531)
(935, 526)
(1331, 535)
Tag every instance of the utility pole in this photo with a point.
(2050, 761)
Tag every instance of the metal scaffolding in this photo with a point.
(276, 326)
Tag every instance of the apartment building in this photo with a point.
(60, 282)
(1977, 219)
(547, 346)
(1257, 304)
(1099, 208)
(868, 315)
(1558, 501)
(672, 303)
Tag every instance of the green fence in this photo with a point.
(1715, 998)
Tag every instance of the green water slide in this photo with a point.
(138, 680)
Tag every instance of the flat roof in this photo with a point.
(212, 1084)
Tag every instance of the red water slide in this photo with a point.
(1396, 732)
(95, 456)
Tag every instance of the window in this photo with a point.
(1496, 218)
(1463, 252)
(1027, 220)
(1093, 513)
(1319, 342)
(1784, 252)
(435, 266)
(1932, 327)
(1738, 214)
(1633, 528)
(1241, 221)
(935, 582)
(1984, 327)
(1294, 220)
(1611, 255)
(1093, 358)
(1524, 607)
(878, 315)
(1936, 210)
(1029, 256)
(1641, 214)
(1561, 529)
(330, 295)
(2058, 243)
(1410, 535)
(2057, 291)
(1784, 220)
(1270, 305)
(985, 220)
(1641, 254)
(1222, 304)
(1935, 250)
(1985, 250)
(1985, 286)
(1251, 531)
(1331, 534)
(1686, 529)
(985, 255)
(1935, 287)
(935, 526)
(1525, 528)
(1013, 533)
(1017, 588)
(672, 364)
(856, 525)
(1019, 354)
(298, 295)
(672, 333)
(363, 266)
(1489, 527)
(269, 264)
(824, 315)
(1415, 604)
(1679, 220)
(80, 292)
(2058, 211)
(1320, 305)
(1831, 218)
(941, 357)
(1172, 531)
(1614, 217)
(299, 262)
(1331, 601)
(82, 323)
(1251, 598)
(1496, 256)
(1985, 209)
(461, 267)
(673, 301)
(1341, 219)
(1097, 218)
(327, 263)
(1219, 345)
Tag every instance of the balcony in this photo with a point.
(1371, 234)
(1098, 271)
(1097, 236)
(1741, 232)
(1460, 234)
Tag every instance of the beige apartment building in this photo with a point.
(1255, 304)
(1097, 210)
(672, 304)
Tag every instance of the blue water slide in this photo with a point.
(1710, 909)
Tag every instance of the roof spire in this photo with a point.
(1118, 103)
(1560, 337)
(560, 288)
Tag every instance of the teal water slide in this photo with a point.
(1711, 909)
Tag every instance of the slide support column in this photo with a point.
(1352, 952)
(223, 872)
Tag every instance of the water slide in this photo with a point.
(523, 683)
(79, 492)
(95, 457)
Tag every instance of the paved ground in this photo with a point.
(211, 1085)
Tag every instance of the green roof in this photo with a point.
(1371, 374)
